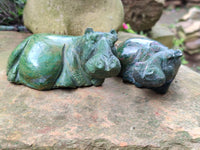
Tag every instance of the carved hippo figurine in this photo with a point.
(147, 63)
(46, 61)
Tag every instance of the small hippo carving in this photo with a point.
(46, 61)
(147, 63)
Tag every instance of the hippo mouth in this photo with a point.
(103, 68)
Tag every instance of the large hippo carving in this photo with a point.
(147, 63)
(46, 61)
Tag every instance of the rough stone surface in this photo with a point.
(114, 116)
(162, 34)
(193, 58)
(189, 27)
(193, 44)
(123, 36)
(193, 13)
(159, 33)
(188, 3)
(142, 15)
(190, 37)
(73, 17)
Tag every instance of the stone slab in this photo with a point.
(69, 17)
(189, 27)
(123, 36)
(163, 34)
(113, 116)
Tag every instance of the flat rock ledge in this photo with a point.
(114, 116)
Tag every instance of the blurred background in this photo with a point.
(174, 23)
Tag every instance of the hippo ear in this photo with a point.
(89, 30)
(178, 53)
(113, 32)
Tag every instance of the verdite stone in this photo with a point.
(46, 61)
(147, 63)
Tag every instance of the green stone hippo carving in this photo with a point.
(46, 61)
(147, 63)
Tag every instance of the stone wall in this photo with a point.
(189, 3)
(188, 29)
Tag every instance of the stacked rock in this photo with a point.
(142, 16)
(176, 3)
(189, 29)
(173, 3)
(193, 3)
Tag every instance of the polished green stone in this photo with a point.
(47, 61)
(147, 63)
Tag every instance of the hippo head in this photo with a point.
(170, 63)
(98, 57)
(159, 69)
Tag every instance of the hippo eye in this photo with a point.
(170, 58)
(93, 38)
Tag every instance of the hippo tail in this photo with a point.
(13, 61)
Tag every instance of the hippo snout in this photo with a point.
(178, 53)
(174, 54)
(102, 67)
(106, 64)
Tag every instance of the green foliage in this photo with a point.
(197, 7)
(130, 30)
(172, 26)
(178, 9)
(179, 44)
(198, 68)
(11, 12)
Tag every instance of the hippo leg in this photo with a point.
(97, 82)
(128, 75)
(13, 62)
(65, 77)
(163, 89)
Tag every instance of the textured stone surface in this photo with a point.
(114, 116)
(189, 27)
(193, 13)
(142, 15)
(123, 36)
(190, 37)
(159, 33)
(188, 3)
(193, 45)
(73, 17)
(162, 34)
